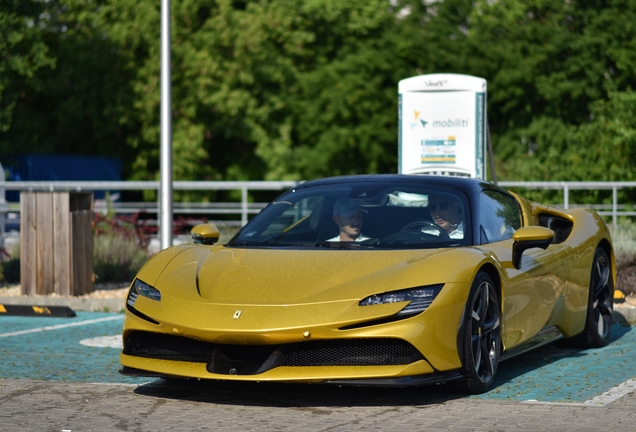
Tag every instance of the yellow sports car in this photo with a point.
(380, 280)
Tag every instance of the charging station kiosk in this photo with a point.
(442, 125)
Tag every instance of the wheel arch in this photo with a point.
(491, 270)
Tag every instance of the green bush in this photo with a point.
(10, 271)
(116, 258)
(10, 266)
(624, 238)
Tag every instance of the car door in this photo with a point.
(529, 293)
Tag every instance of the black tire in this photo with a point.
(600, 305)
(479, 340)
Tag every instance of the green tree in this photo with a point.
(296, 89)
(266, 89)
(84, 105)
(345, 115)
(22, 53)
(608, 139)
(546, 63)
(231, 73)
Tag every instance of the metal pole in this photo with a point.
(491, 157)
(243, 205)
(3, 206)
(615, 207)
(165, 188)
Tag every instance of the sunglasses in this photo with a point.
(442, 205)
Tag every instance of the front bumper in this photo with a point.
(401, 381)
(430, 339)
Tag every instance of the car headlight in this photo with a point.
(141, 288)
(419, 299)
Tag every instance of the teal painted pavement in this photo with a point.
(49, 348)
(557, 374)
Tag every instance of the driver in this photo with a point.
(348, 216)
(445, 213)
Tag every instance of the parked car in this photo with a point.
(375, 279)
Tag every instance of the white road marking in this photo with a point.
(613, 394)
(104, 342)
(603, 399)
(61, 326)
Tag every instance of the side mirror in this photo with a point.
(206, 234)
(527, 238)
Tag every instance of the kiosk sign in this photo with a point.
(442, 125)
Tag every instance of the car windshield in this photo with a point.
(361, 215)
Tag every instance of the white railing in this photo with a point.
(614, 210)
(244, 208)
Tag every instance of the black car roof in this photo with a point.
(468, 185)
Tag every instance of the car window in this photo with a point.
(294, 214)
(499, 216)
(390, 215)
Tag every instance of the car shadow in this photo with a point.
(291, 395)
(317, 395)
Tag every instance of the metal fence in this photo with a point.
(615, 209)
(243, 208)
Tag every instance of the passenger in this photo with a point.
(445, 213)
(348, 217)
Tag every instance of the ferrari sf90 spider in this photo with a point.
(379, 280)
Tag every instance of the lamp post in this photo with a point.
(165, 188)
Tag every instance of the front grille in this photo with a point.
(166, 347)
(354, 352)
(254, 359)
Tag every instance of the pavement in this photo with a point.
(27, 405)
(60, 374)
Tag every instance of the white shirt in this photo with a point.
(459, 232)
(358, 239)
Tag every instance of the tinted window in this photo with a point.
(360, 214)
(499, 216)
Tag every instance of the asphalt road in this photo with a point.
(60, 374)
(27, 405)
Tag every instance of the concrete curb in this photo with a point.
(75, 303)
(625, 314)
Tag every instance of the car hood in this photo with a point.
(226, 275)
